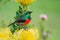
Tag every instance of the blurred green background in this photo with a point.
(50, 7)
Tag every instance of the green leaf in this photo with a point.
(17, 16)
(20, 8)
(13, 28)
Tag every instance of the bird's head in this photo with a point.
(28, 15)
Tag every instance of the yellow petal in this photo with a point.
(29, 34)
(25, 2)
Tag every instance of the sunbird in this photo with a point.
(24, 19)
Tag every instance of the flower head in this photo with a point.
(29, 34)
(25, 2)
(43, 16)
(5, 34)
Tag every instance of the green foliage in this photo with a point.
(13, 28)
(18, 13)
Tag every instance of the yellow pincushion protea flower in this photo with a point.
(29, 34)
(5, 34)
(25, 2)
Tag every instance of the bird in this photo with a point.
(25, 19)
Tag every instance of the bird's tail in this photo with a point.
(11, 24)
